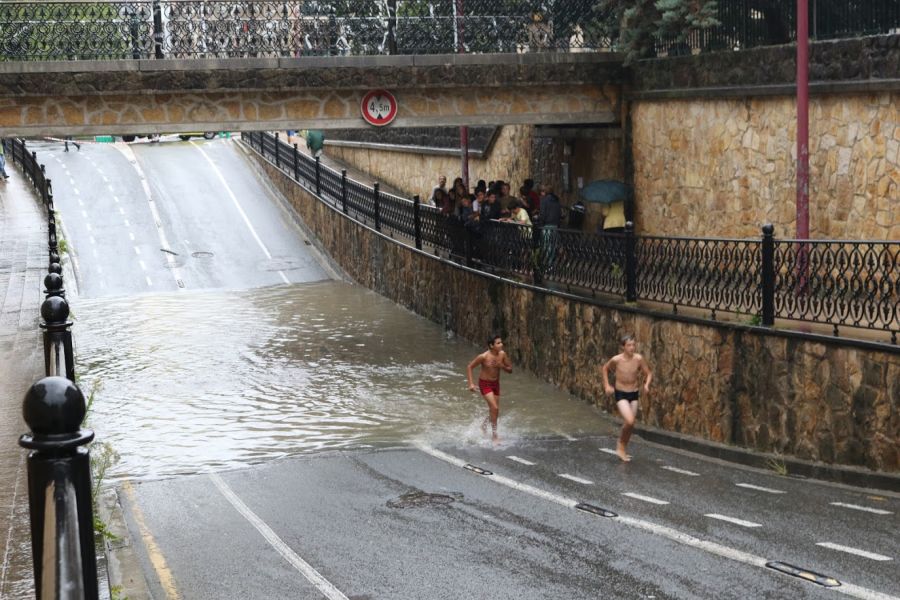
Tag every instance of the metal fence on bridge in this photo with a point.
(840, 283)
(271, 28)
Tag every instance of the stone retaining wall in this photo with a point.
(728, 384)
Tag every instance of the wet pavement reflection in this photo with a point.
(188, 381)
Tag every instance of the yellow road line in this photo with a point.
(166, 580)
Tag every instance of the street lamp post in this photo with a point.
(463, 131)
(802, 142)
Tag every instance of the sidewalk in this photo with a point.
(23, 265)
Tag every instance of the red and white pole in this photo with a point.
(802, 119)
(463, 131)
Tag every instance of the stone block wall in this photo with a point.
(722, 167)
(722, 383)
(509, 160)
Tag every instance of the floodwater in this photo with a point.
(189, 381)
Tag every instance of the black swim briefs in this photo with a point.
(630, 396)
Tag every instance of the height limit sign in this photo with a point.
(379, 107)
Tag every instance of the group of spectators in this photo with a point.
(494, 201)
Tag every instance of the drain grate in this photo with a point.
(422, 499)
(202, 254)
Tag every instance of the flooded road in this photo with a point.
(190, 381)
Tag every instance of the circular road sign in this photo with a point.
(379, 107)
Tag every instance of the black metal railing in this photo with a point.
(746, 24)
(59, 478)
(266, 28)
(837, 283)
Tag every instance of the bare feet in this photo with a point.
(620, 450)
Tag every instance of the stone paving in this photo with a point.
(23, 265)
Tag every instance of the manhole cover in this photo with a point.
(202, 254)
(420, 499)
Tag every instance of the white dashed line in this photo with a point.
(137, 250)
(94, 252)
(740, 522)
(856, 551)
(116, 199)
(105, 180)
(750, 486)
(608, 451)
(80, 203)
(88, 226)
(109, 187)
(565, 436)
(99, 269)
(131, 235)
(576, 479)
(644, 498)
(143, 266)
(521, 460)
(682, 471)
(127, 224)
(84, 214)
(121, 211)
(150, 283)
(72, 181)
(876, 511)
(76, 192)
(669, 533)
(93, 241)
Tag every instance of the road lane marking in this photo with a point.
(105, 180)
(149, 282)
(173, 267)
(157, 560)
(93, 241)
(94, 252)
(576, 479)
(84, 214)
(80, 203)
(239, 208)
(856, 551)
(521, 460)
(116, 199)
(750, 486)
(740, 522)
(131, 235)
(314, 577)
(877, 511)
(121, 211)
(137, 250)
(669, 533)
(72, 181)
(75, 190)
(143, 266)
(88, 226)
(99, 269)
(565, 436)
(682, 471)
(609, 451)
(644, 498)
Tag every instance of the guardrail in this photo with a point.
(59, 472)
(840, 283)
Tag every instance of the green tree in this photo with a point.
(637, 27)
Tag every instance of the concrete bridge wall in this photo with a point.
(809, 397)
(153, 96)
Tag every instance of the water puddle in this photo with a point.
(188, 381)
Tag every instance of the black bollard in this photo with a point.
(59, 491)
(59, 357)
(54, 284)
(54, 258)
(55, 268)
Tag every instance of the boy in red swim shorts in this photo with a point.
(489, 380)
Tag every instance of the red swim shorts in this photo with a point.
(488, 387)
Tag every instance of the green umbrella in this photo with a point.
(605, 191)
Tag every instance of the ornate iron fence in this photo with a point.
(839, 283)
(271, 28)
(749, 23)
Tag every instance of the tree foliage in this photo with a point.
(637, 26)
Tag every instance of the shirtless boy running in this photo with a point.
(626, 367)
(489, 380)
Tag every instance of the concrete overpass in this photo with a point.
(151, 95)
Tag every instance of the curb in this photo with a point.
(122, 566)
(852, 476)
